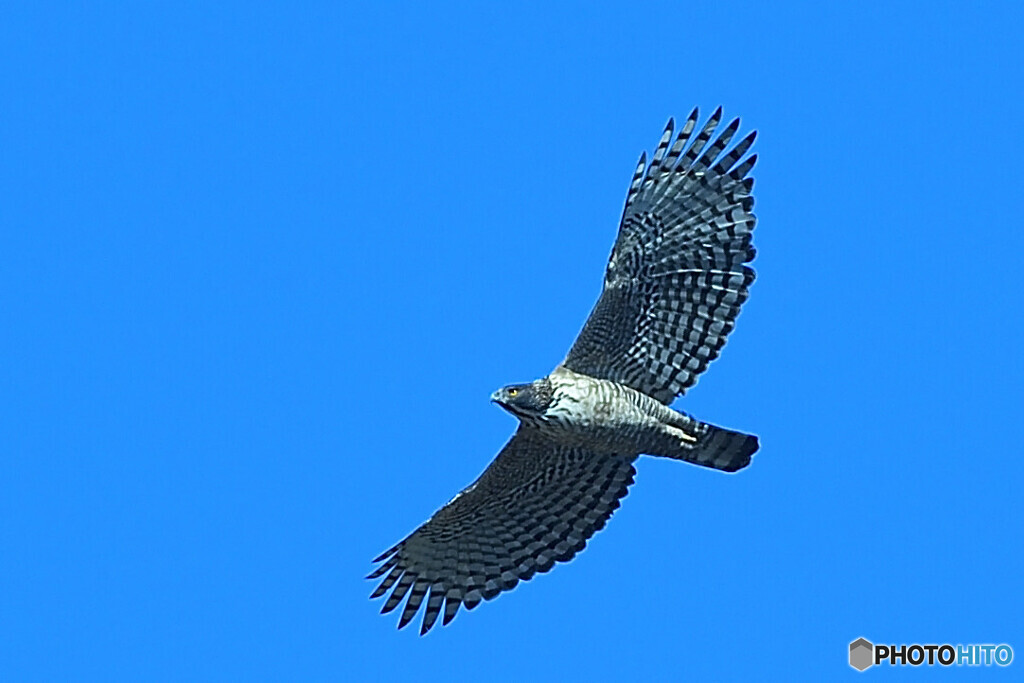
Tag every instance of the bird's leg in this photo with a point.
(680, 434)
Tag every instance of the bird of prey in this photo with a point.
(673, 287)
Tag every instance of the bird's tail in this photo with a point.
(723, 449)
(710, 446)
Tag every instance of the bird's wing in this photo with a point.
(535, 505)
(676, 277)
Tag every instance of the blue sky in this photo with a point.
(262, 268)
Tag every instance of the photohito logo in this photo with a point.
(865, 654)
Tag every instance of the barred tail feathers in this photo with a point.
(710, 446)
(723, 449)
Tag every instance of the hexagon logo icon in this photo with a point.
(861, 654)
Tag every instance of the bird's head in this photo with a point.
(525, 400)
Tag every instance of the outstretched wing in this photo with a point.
(676, 277)
(535, 505)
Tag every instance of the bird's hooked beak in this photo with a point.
(498, 396)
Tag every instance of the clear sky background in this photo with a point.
(261, 267)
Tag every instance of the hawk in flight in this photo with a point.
(674, 284)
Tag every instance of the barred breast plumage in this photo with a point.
(602, 415)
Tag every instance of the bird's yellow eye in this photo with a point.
(513, 392)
